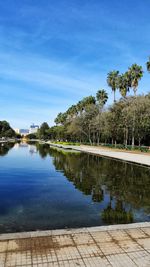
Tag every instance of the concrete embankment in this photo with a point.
(139, 158)
(8, 141)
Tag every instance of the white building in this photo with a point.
(33, 129)
(23, 132)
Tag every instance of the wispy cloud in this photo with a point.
(53, 54)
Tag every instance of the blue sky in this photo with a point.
(53, 53)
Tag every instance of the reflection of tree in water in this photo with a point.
(126, 184)
(118, 214)
(43, 149)
(5, 147)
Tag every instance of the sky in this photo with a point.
(54, 53)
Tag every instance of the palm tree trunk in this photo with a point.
(133, 139)
(114, 96)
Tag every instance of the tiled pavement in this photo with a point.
(118, 246)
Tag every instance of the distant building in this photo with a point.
(33, 129)
(23, 131)
(17, 130)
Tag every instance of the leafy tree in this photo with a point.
(148, 65)
(32, 136)
(136, 73)
(102, 97)
(61, 118)
(125, 122)
(123, 84)
(6, 130)
(112, 81)
(43, 131)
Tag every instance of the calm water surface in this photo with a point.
(47, 188)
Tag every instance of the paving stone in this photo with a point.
(121, 260)
(118, 246)
(2, 259)
(72, 263)
(129, 245)
(90, 250)
(119, 235)
(3, 246)
(82, 239)
(141, 258)
(136, 233)
(63, 240)
(18, 258)
(67, 253)
(146, 230)
(96, 262)
(109, 248)
(101, 237)
(145, 243)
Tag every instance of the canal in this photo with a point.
(47, 188)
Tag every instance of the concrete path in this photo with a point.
(118, 246)
(140, 158)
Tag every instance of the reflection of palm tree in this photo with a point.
(97, 194)
(128, 183)
(89, 173)
(42, 149)
(117, 215)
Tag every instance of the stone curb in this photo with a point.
(47, 233)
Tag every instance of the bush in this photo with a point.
(128, 147)
(67, 143)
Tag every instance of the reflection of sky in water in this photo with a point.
(34, 195)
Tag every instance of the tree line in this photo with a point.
(126, 121)
(6, 130)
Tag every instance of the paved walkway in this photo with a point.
(118, 246)
(140, 158)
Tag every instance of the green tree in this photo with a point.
(101, 97)
(61, 118)
(43, 131)
(6, 130)
(136, 73)
(112, 81)
(148, 64)
(123, 84)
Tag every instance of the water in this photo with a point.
(46, 188)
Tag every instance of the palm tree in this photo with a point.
(89, 100)
(72, 111)
(112, 79)
(61, 118)
(148, 65)
(123, 84)
(136, 73)
(102, 97)
(79, 106)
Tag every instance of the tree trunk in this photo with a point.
(133, 138)
(139, 141)
(114, 96)
(98, 138)
(126, 137)
(90, 137)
